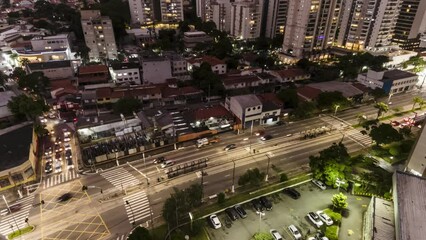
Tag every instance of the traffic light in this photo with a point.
(84, 188)
(42, 201)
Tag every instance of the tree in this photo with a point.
(328, 100)
(289, 97)
(339, 201)
(40, 130)
(35, 82)
(83, 53)
(206, 80)
(332, 233)
(417, 100)
(262, 236)
(140, 233)
(417, 62)
(378, 93)
(304, 110)
(381, 108)
(221, 48)
(252, 177)
(126, 106)
(221, 198)
(385, 134)
(24, 61)
(3, 78)
(24, 106)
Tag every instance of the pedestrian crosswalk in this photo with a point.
(122, 237)
(137, 207)
(356, 136)
(12, 221)
(120, 178)
(334, 122)
(56, 179)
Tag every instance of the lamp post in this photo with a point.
(267, 168)
(335, 109)
(338, 183)
(133, 214)
(116, 159)
(260, 218)
(233, 177)
(191, 218)
(8, 208)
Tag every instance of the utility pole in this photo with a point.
(233, 177)
(133, 214)
(13, 216)
(267, 169)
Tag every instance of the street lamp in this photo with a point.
(338, 183)
(233, 177)
(14, 219)
(260, 218)
(133, 214)
(267, 168)
(335, 109)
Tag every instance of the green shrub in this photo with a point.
(337, 217)
(283, 177)
(332, 232)
(221, 198)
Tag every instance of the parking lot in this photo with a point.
(287, 211)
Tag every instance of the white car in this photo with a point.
(319, 184)
(275, 234)
(167, 163)
(67, 139)
(295, 232)
(215, 221)
(67, 146)
(325, 218)
(315, 219)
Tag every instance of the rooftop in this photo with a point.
(308, 93)
(128, 65)
(347, 89)
(410, 192)
(249, 100)
(208, 59)
(230, 80)
(292, 72)
(216, 111)
(92, 69)
(396, 74)
(15, 146)
(383, 220)
(49, 65)
(59, 36)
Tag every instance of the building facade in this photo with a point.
(310, 27)
(246, 18)
(171, 11)
(98, 35)
(125, 73)
(142, 11)
(156, 70)
(392, 81)
(276, 16)
(411, 24)
(217, 11)
(52, 69)
(367, 24)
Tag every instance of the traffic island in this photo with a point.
(20, 232)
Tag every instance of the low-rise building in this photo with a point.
(5, 113)
(290, 75)
(93, 74)
(191, 39)
(179, 65)
(52, 69)
(156, 70)
(391, 81)
(218, 66)
(240, 81)
(396, 56)
(125, 73)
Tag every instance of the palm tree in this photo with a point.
(382, 108)
(417, 100)
(24, 62)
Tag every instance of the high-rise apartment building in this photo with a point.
(367, 24)
(141, 11)
(311, 27)
(98, 35)
(411, 24)
(246, 18)
(217, 11)
(275, 17)
(171, 11)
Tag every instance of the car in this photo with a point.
(15, 207)
(67, 139)
(240, 210)
(58, 167)
(58, 140)
(259, 133)
(64, 197)
(289, 135)
(49, 159)
(52, 115)
(167, 163)
(48, 151)
(66, 132)
(68, 154)
(67, 146)
(325, 218)
(48, 168)
(58, 157)
(295, 232)
(315, 219)
(215, 221)
(275, 234)
(159, 159)
(229, 147)
(266, 203)
(42, 119)
(293, 193)
(232, 214)
(319, 184)
(266, 137)
(58, 148)
(257, 206)
(70, 163)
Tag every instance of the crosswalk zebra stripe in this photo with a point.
(137, 206)
(53, 180)
(20, 216)
(120, 177)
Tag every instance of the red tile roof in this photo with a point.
(308, 93)
(92, 69)
(230, 80)
(361, 87)
(208, 59)
(216, 111)
(270, 97)
(172, 92)
(292, 72)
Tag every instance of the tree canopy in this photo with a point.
(332, 163)
(289, 97)
(251, 177)
(339, 201)
(328, 100)
(140, 233)
(262, 236)
(352, 64)
(28, 107)
(385, 134)
(35, 82)
(127, 106)
(206, 80)
(381, 108)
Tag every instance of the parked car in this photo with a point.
(229, 147)
(48, 168)
(315, 219)
(159, 159)
(67, 139)
(67, 146)
(58, 148)
(266, 137)
(240, 210)
(58, 167)
(293, 193)
(167, 163)
(259, 133)
(295, 232)
(319, 184)
(325, 218)
(68, 154)
(48, 151)
(49, 159)
(232, 214)
(266, 203)
(58, 157)
(215, 221)
(275, 234)
(70, 163)
(257, 205)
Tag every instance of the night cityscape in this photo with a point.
(212, 119)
